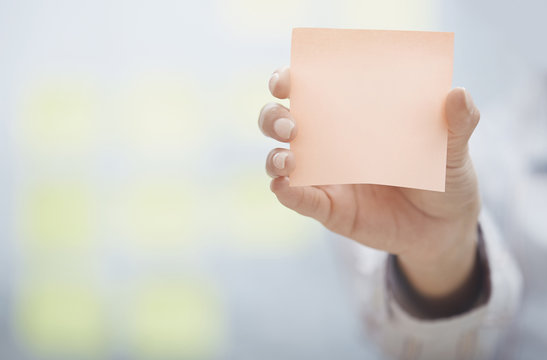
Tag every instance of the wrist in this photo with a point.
(445, 268)
(473, 292)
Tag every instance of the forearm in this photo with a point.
(404, 333)
(448, 282)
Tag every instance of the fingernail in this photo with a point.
(273, 81)
(279, 160)
(283, 128)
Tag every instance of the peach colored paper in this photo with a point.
(369, 106)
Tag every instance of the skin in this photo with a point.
(434, 234)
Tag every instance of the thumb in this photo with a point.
(462, 116)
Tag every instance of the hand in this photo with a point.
(432, 233)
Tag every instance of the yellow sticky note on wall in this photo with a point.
(369, 106)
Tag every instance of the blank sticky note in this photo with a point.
(369, 107)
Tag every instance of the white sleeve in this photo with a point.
(474, 334)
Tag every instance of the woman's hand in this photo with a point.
(432, 233)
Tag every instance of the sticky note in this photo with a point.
(174, 320)
(62, 320)
(57, 217)
(369, 107)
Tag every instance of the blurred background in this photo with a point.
(136, 220)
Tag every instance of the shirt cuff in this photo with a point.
(413, 303)
(471, 334)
